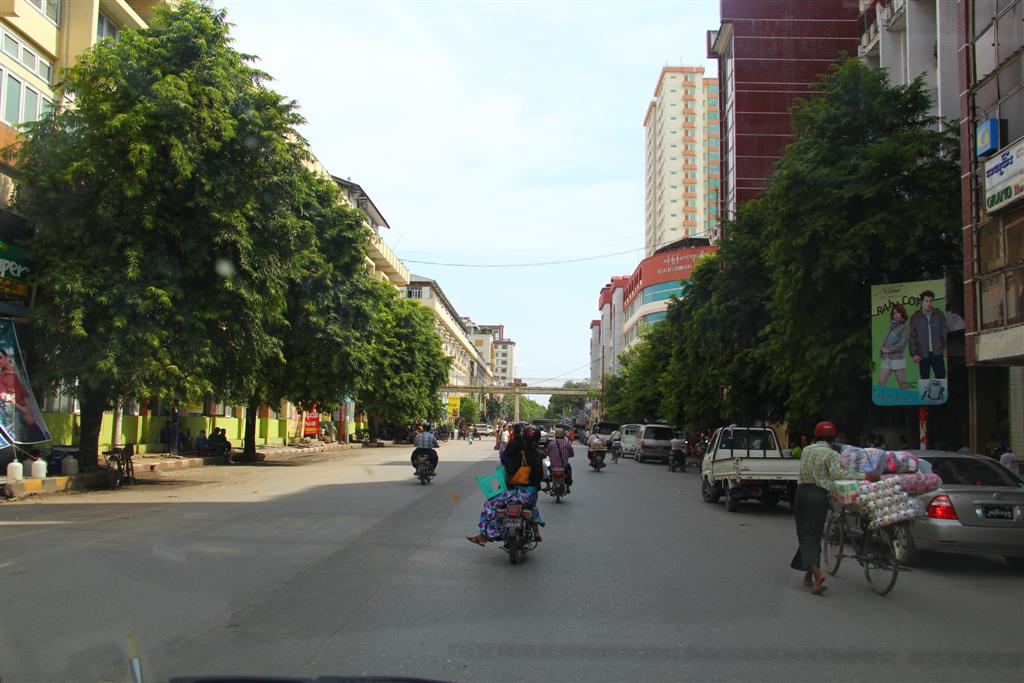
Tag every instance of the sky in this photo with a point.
(489, 133)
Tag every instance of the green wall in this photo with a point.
(145, 431)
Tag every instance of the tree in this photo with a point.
(405, 364)
(162, 204)
(867, 193)
(639, 395)
(560, 405)
(528, 408)
(469, 409)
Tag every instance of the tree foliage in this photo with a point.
(528, 408)
(469, 409)
(775, 325)
(562, 405)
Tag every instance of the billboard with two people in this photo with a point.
(20, 419)
(908, 341)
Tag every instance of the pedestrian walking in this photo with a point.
(820, 467)
(470, 431)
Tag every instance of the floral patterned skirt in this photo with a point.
(489, 523)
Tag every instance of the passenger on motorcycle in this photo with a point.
(559, 452)
(595, 444)
(425, 443)
(523, 450)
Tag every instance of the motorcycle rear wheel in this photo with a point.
(514, 546)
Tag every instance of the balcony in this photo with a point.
(869, 36)
(386, 261)
(894, 15)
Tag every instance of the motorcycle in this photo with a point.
(677, 460)
(423, 472)
(558, 487)
(517, 537)
(597, 460)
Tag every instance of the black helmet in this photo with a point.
(530, 436)
(426, 426)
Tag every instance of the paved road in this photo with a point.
(348, 566)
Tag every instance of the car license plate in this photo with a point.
(998, 511)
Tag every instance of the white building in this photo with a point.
(679, 156)
(911, 38)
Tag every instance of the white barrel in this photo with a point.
(69, 465)
(15, 471)
(39, 469)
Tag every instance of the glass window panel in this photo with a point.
(45, 107)
(37, 3)
(986, 96)
(1015, 297)
(45, 71)
(11, 45)
(990, 246)
(985, 54)
(53, 10)
(1012, 75)
(992, 299)
(12, 100)
(1012, 109)
(28, 58)
(1013, 233)
(1010, 28)
(984, 11)
(31, 110)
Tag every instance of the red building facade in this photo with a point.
(770, 53)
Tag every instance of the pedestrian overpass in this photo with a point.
(517, 390)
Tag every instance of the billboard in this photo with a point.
(14, 272)
(1004, 177)
(20, 419)
(908, 343)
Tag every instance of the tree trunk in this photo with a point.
(93, 402)
(175, 429)
(115, 438)
(252, 411)
(374, 427)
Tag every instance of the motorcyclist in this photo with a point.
(426, 444)
(595, 444)
(559, 452)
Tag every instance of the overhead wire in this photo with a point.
(526, 265)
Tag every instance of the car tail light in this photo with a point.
(941, 507)
(514, 510)
(557, 474)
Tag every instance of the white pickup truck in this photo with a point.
(746, 462)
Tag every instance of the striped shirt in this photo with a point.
(425, 440)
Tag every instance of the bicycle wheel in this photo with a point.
(879, 560)
(834, 539)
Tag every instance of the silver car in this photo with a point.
(978, 510)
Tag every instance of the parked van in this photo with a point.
(655, 443)
(630, 437)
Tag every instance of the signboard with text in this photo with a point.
(14, 272)
(1004, 177)
(908, 343)
(311, 426)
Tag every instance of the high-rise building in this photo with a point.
(991, 59)
(490, 341)
(712, 158)
(911, 39)
(769, 55)
(675, 134)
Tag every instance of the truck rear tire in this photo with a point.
(732, 499)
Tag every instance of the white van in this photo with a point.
(629, 439)
(655, 442)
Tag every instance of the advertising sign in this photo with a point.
(311, 426)
(20, 419)
(908, 343)
(1004, 177)
(986, 138)
(453, 407)
(14, 272)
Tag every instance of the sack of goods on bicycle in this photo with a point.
(863, 525)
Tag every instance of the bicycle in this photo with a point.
(120, 465)
(873, 548)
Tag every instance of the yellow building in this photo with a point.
(40, 37)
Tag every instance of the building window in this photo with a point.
(413, 292)
(50, 8)
(12, 100)
(105, 28)
(713, 127)
(32, 61)
(992, 302)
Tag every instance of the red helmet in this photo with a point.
(824, 429)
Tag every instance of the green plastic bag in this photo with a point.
(493, 484)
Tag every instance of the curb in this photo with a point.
(31, 487)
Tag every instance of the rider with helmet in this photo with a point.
(522, 451)
(426, 444)
(820, 467)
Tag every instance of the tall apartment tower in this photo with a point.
(712, 158)
(675, 131)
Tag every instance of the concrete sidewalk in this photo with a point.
(157, 463)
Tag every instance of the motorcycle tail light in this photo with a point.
(557, 475)
(514, 510)
(527, 514)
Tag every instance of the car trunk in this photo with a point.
(988, 506)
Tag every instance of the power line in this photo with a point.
(525, 265)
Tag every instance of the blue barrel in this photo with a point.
(53, 463)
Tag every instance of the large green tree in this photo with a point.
(638, 394)
(867, 193)
(563, 405)
(405, 364)
(163, 209)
